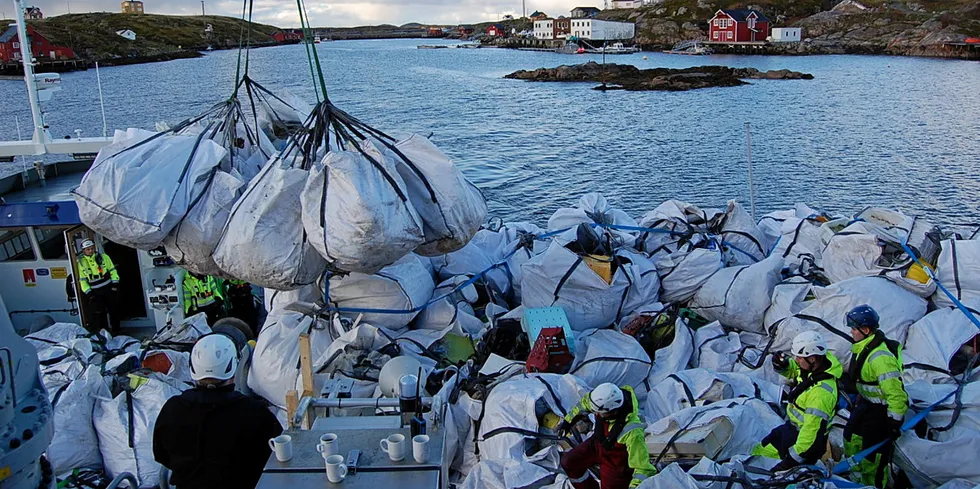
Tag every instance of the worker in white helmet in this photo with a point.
(212, 436)
(618, 445)
(98, 280)
(812, 403)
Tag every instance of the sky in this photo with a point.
(337, 13)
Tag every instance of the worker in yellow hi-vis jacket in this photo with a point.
(99, 282)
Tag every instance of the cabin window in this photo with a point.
(15, 245)
(51, 243)
(16, 45)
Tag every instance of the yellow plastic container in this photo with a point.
(918, 273)
(601, 265)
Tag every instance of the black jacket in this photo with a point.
(212, 438)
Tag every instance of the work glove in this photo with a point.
(779, 361)
(562, 428)
(894, 429)
(784, 465)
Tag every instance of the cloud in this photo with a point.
(337, 13)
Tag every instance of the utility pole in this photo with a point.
(69, 5)
(524, 8)
(202, 9)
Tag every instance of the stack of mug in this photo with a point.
(329, 448)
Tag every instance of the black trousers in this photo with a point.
(784, 437)
(868, 426)
(103, 310)
(214, 311)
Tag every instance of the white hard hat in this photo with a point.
(607, 397)
(809, 344)
(214, 357)
(88, 243)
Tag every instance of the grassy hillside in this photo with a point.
(888, 26)
(93, 36)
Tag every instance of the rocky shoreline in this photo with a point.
(631, 78)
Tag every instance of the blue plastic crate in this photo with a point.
(535, 320)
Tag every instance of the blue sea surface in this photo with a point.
(868, 130)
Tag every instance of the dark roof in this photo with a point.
(588, 9)
(8, 34)
(740, 14)
(538, 13)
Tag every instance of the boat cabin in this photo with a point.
(40, 239)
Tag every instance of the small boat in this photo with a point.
(432, 46)
(209, 49)
(617, 48)
(317, 40)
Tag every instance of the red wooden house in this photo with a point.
(738, 25)
(288, 35)
(41, 48)
(495, 30)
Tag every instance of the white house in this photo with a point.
(128, 34)
(602, 30)
(786, 34)
(544, 29)
(617, 4)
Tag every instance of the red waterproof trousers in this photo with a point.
(614, 469)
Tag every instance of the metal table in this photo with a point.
(374, 468)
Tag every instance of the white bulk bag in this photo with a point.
(898, 309)
(131, 450)
(676, 356)
(135, 193)
(275, 361)
(738, 297)
(592, 209)
(683, 271)
(739, 230)
(772, 224)
(513, 404)
(958, 269)
(610, 356)
(263, 242)
(799, 238)
(715, 348)
(933, 341)
(559, 277)
(452, 209)
(75, 443)
(697, 387)
(401, 286)
(191, 244)
(55, 334)
(453, 314)
(947, 454)
(856, 252)
(644, 291)
(788, 298)
(672, 216)
(356, 210)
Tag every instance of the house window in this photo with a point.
(15, 245)
(16, 45)
(730, 35)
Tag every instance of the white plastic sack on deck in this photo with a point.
(559, 277)
(932, 343)
(275, 362)
(55, 334)
(860, 250)
(738, 297)
(357, 212)
(676, 356)
(742, 234)
(798, 239)
(191, 244)
(684, 270)
(263, 242)
(489, 247)
(698, 387)
(135, 193)
(593, 208)
(644, 290)
(401, 286)
(948, 454)
(453, 314)
(610, 356)
(75, 443)
(958, 269)
(125, 427)
(515, 404)
(898, 309)
(771, 224)
(752, 420)
(513, 474)
(451, 208)
(672, 216)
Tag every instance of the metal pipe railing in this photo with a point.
(379, 403)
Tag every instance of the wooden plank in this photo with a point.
(292, 403)
(306, 364)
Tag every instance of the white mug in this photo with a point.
(420, 448)
(283, 446)
(328, 445)
(336, 470)
(394, 446)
